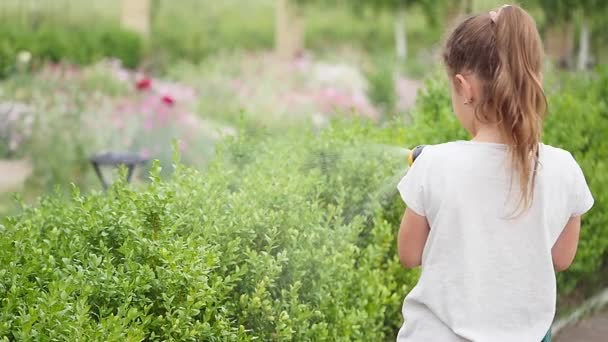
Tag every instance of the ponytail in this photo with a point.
(517, 93)
(503, 48)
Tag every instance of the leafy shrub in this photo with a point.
(193, 30)
(260, 248)
(381, 86)
(52, 41)
(578, 122)
(125, 45)
(7, 58)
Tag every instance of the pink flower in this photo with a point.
(148, 123)
(182, 145)
(144, 84)
(13, 115)
(163, 115)
(168, 100)
(301, 63)
(121, 75)
(237, 83)
(145, 153)
(119, 122)
(148, 104)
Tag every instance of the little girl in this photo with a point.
(492, 219)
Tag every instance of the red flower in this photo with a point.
(144, 84)
(168, 100)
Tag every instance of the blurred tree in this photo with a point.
(399, 7)
(154, 10)
(559, 29)
(289, 27)
(289, 35)
(431, 8)
(561, 16)
(454, 11)
(591, 12)
(135, 15)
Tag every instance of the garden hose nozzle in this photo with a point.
(415, 153)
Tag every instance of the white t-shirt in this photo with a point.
(487, 274)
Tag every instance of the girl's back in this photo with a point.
(487, 270)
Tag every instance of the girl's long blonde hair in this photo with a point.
(503, 48)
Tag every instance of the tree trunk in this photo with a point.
(135, 15)
(559, 42)
(583, 50)
(154, 10)
(455, 11)
(289, 29)
(400, 36)
(469, 6)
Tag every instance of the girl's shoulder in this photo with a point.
(556, 155)
(452, 153)
(459, 149)
(559, 162)
(561, 166)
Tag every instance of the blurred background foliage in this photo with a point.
(307, 103)
(193, 30)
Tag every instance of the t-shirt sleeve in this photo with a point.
(412, 185)
(581, 199)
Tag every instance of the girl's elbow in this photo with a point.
(410, 261)
(564, 249)
(562, 259)
(561, 264)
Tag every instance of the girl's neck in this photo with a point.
(489, 134)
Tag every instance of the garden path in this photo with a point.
(591, 329)
(13, 174)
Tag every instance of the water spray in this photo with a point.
(390, 186)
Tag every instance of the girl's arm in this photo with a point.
(580, 201)
(411, 239)
(564, 249)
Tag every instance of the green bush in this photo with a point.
(381, 86)
(267, 247)
(7, 58)
(578, 122)
(51, 41)
(196, 29)
(122, 44)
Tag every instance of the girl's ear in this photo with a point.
(464, 88)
